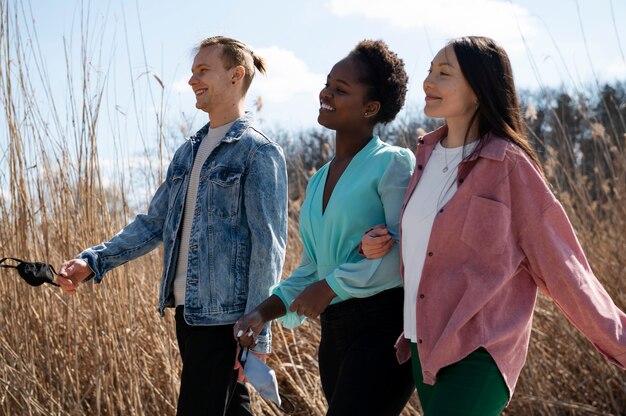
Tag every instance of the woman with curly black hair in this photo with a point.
(359, 301)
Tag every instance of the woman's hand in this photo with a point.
(313, 300)
(248, 327)
(376, 242)
(251, 324)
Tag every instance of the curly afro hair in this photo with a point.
(383, 71)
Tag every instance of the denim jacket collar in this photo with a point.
(234, 133)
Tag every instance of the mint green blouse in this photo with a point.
(369, 192)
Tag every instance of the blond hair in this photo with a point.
(236, 53)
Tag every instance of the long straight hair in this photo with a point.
(487, 69)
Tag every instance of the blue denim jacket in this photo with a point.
(239, 231)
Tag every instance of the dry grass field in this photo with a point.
(106, 351)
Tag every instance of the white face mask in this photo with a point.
(261, 376)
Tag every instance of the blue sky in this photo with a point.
(140, 40)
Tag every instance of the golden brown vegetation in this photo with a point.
(106, 351)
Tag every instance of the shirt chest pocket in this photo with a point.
(487, 225)
(224, 191)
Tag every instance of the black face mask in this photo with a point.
(34, 273)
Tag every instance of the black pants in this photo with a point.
(358, 367)
(208, 385)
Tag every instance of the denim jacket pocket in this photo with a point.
(225, 185)
(487, 225)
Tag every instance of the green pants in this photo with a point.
(471, 387)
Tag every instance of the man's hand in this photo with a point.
(376, 242)
(72, 273)
(313, 300)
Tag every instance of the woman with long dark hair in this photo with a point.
(480, 233)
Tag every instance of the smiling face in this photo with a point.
(211, 82)
(343, 100)
(448, 95)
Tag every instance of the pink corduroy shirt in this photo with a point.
(501, 236)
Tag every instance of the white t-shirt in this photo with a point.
(210, 142)
(435, 188)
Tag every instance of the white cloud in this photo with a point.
(498, 19)
(181, 85)
(616, 69)
(287, 76)
(132, 162)
(139, 174)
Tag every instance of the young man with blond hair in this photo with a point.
(221, 214)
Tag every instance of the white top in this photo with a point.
(210, 142)
(435, 188)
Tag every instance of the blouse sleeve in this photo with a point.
(290, 288)
(370, 276)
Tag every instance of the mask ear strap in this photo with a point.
(55, 272)
(243, 356)
(286, 405)
(52, 268)
(8, 266)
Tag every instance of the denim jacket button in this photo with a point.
(430, 254)
(421, 296)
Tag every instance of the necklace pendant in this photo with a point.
(445, 169)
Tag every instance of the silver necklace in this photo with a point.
(445, 158)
